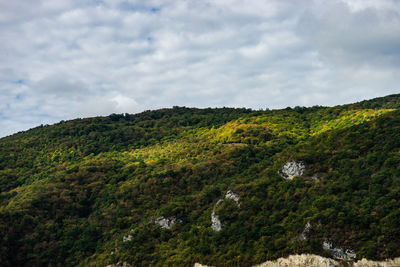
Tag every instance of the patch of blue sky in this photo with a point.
(126, 6)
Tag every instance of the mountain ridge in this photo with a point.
(72, 193)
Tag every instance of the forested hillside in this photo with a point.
(143, 188)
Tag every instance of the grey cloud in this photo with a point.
(61, 86)
(346, 37)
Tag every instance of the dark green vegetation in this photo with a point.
(70, 192)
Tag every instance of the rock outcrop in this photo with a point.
(166, 223)
(303, 236)
(235, 197)
(292, 169)
(338, 253)
(216, 223)
(127, 238)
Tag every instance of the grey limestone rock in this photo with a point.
(166, 223)
(216, 223)
(292, 169)
(127, 238)
(235, 197)
(304, 234)
(338, 253)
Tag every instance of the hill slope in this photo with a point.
(142, 188)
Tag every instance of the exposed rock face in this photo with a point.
(304, 234)
(235, 197)
(292, 169)
(127, 238)
(166, 223)
(338, 253)
(216, 223)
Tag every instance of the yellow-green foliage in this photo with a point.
(346, 119)
(189, 148)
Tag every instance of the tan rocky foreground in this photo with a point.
(300, 261)
(309, 260)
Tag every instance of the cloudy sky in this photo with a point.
(63, 59)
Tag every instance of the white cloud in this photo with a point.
(364, 36)
(65, 59)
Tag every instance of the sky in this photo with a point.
(69, 59)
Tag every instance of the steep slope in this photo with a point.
(142, 188)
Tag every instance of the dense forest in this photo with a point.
(94, 191)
